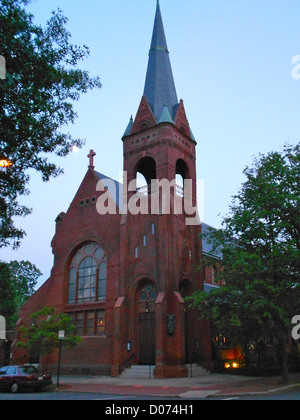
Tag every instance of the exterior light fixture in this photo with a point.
(5, 163)
(128, 346)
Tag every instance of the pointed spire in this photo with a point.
(159, 86)
(158, 36)
(165, 115)
(129, 128)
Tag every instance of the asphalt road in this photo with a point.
(74, 396)
(293, 395)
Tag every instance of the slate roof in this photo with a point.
(207, 246)
(165, 116)
(159, 86)
(116, 192)
(129, 127)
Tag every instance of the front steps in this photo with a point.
(195, 371)
(147, 372)
(138, 372)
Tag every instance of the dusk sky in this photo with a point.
(234, 65)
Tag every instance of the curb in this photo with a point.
(257, 393)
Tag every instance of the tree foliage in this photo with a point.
(17, 284)
(260, 242)
(36, 101)
(42, 334)
(7, 296)
(24, 278)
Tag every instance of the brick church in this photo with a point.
(122, 277)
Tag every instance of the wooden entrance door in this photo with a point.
(147, 338)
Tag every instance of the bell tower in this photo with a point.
(160, 129)
(160, 251)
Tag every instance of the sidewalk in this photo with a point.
(189, 388)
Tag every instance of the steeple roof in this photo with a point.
(159, 86)
(165, 116)
(129, 127)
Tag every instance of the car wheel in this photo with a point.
(14, 388)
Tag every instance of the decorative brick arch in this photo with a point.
(146, 166)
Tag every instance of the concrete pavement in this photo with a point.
(200, 387)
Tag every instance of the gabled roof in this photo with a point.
(159, 86)
(118, 193)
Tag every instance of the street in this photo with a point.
(293, 395)
(75, 396)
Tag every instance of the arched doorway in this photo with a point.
(146, 297)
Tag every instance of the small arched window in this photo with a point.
(147, 295)
(88, 275)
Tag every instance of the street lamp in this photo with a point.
(61, 336)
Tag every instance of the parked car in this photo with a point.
(14, 378)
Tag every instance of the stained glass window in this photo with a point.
(148, 293)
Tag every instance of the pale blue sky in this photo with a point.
(232, 65)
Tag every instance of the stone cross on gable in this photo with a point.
(91, 156)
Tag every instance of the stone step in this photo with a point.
(195, 370)
(138, 372)
(146, 372)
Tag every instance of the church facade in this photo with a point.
(122, 276)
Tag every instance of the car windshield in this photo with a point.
(28, 369)
(3, 370)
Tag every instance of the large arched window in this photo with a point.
(87, 275)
